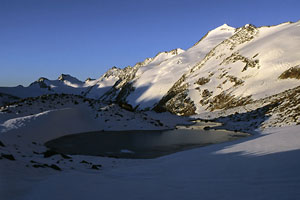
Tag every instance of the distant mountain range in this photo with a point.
(228, 67)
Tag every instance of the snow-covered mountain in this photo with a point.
(228, 67)
(253, 63)
(127, 83)
(67, 84)
(64, 84)
(154, 80)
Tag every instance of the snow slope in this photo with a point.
(262, 166)
(258, 167)
(154, 80)
(75, 114)
(243, 68)
(125, 85)
(100, 86)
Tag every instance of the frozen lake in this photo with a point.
(139, 143)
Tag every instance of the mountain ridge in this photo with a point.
(226, 66)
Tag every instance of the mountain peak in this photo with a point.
(220, 30)
(171, 52)
(249, 25)
(69, 78)
(40, 83)
(176, 51)
(42, 79)
(89, 79)
(63, 77)
(224, 27)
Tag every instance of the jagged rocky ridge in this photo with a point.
(278, 110)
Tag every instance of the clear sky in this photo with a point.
(85, 38)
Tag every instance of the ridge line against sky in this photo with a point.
(85, 38)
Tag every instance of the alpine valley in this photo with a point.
(228, 69)
(245, 79)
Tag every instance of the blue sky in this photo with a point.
(84, 38)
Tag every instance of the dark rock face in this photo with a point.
(8, 156)
(122, 88)
(235, 80)
(126, 106)
(293, 72)
(49, 153)
(38, 166)
(177, 101)
(94, 167)
(85, 162)
(236, 56)
(177, 91)
(41, 83)
(202, 81)
(287, 109)
(284, 108)
(65, 156)
(125, 92)
(225, 101)
(184, 108)
(1, 144)
(206, 93)
(55, 167)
